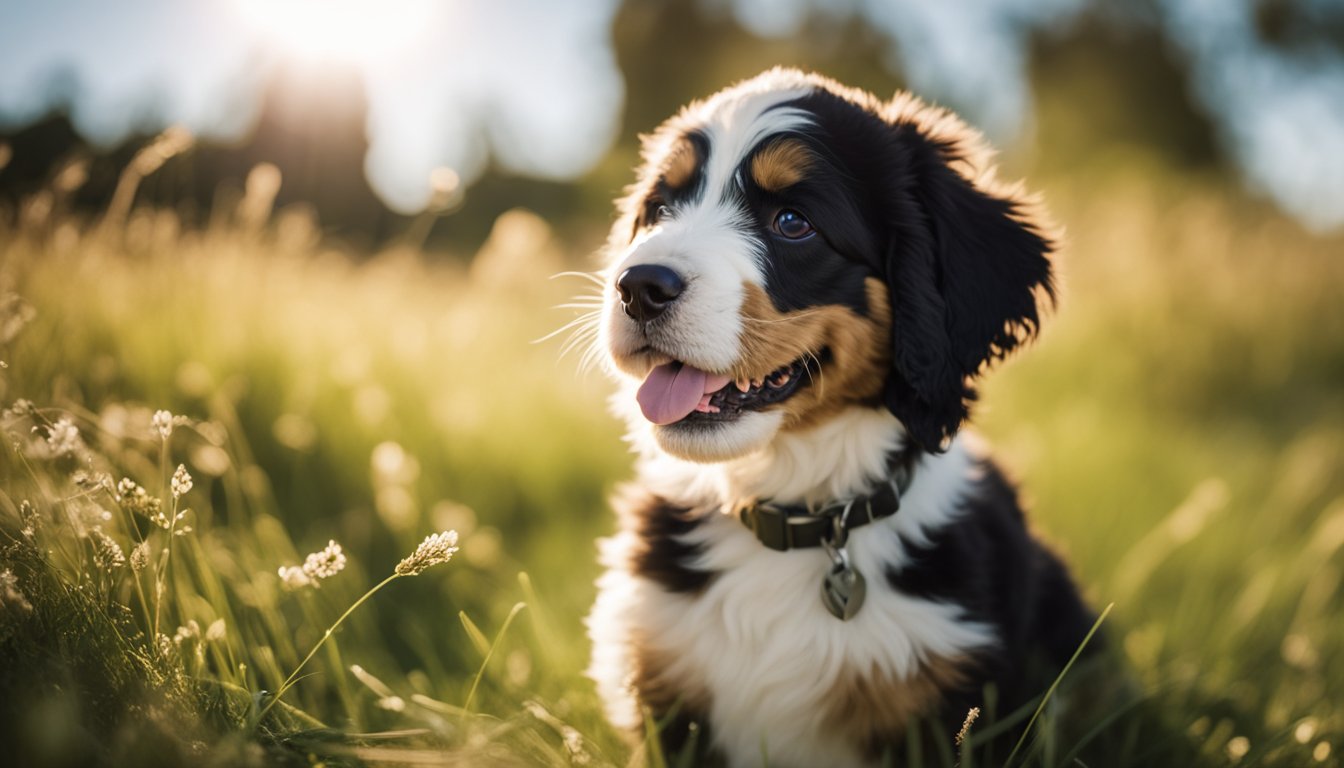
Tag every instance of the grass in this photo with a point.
(1179, 430)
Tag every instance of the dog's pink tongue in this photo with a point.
(672, 391)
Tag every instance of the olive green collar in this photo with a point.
(794, 526)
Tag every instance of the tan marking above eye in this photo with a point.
(681, 164)
(781, 165)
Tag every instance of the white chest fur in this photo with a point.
(758, 642)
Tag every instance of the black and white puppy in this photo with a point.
(803, 284)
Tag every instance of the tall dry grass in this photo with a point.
(1180, 429)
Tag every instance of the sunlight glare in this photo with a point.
(347, 30)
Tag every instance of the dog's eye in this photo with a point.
(793, 225)
(655, 213)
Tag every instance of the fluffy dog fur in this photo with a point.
(860, 252)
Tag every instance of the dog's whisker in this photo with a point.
(584, 334)
(592, 357)
(819, 379)
(595, 297)
(591, 351)
(591, 277)
(587, 318)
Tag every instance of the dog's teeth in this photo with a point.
(783, 379)
(742, 384)
(757, 383)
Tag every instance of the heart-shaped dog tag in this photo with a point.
(843, 590)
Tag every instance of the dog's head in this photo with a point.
(792, 248)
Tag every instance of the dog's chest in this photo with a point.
(779, 674)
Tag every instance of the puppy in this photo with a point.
(803, 285)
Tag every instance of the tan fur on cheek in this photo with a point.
(859, 345)
(781, 165)
(871, 707)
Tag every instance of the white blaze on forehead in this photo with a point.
(735, 122)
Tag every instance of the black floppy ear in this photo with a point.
(967, 269)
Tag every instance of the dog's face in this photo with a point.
(793, 248)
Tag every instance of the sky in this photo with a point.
(449, 83)
(534, 85)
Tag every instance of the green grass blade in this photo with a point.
(1058, 678)
(480, 673)
(478, 638)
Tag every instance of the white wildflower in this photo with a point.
(181, 481)
(215, 632)
(11, 597)
(574, 746)
(181, 528)
(29, 517)
(162, 423)
(435, 549)
(191, 631)
(392, 703)
(317, 566)
(63, 437)
(136, 499)
(20, 408)
(140, 556)
(293, 577)
(106, 551)
(324, 564)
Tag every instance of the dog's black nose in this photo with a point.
(647, 289)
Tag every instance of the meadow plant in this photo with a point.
(436, 549)
(61, 530)
(317, 566)
(1179, 427)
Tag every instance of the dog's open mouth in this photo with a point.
(679, 393)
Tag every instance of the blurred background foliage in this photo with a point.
(363, 371)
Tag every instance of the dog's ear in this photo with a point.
(968, 269)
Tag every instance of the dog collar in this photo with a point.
(794, 526)
(782, 528)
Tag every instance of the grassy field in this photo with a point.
(1179, 431)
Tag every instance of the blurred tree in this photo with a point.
(310, 126)
(1110, 85)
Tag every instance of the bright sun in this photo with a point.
(350, 30)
